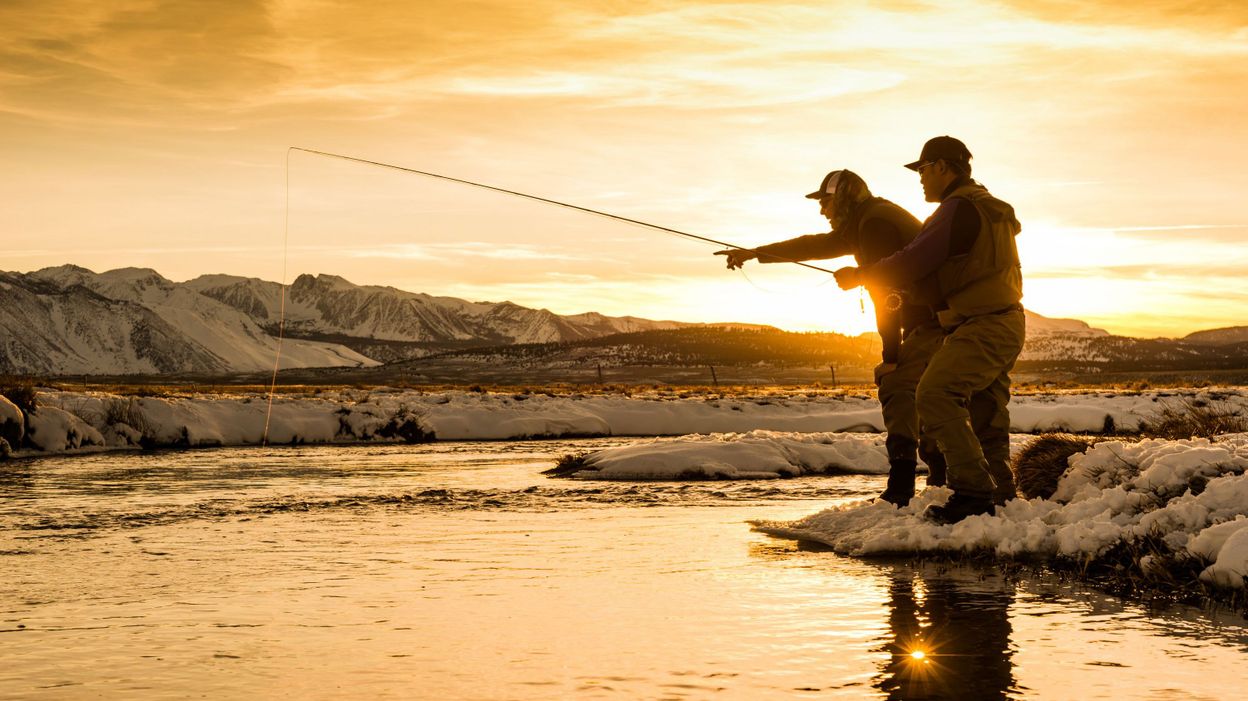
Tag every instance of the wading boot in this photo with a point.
(1003, 478)
(937, 470)
(959, 507)
(900, 489)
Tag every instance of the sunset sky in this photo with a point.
(155, 134)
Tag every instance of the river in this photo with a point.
(457, 571)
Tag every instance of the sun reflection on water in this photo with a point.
(952, 642)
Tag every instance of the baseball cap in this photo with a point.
(829, 185)
(942, 148)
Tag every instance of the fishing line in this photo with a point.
(281, 317)
(769, 291)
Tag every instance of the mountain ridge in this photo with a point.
(69, 320)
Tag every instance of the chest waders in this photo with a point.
(964, 394)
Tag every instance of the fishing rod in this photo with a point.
(550, 201)
(264, 440)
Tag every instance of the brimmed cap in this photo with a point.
(942, 148)
(828, 186)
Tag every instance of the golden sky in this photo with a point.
(155, 133)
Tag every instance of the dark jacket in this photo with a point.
(875, 230)
(967, 271)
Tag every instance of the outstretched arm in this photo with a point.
(809, 247)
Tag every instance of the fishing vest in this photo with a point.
(989, 277)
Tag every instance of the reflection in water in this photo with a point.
(949, 639)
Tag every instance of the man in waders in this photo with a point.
(872, 228)
(966, 253)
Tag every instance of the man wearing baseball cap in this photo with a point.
(967, 254)
(870, 229)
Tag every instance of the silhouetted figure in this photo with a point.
(870, 229)
(966, 253)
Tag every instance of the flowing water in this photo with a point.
(457, 571)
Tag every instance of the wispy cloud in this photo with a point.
(463, 250)
(250, 55)
(142, 251)
(1196, 276)
(711, 55)
(1203, 233)
(1171, 227)
(700, 83)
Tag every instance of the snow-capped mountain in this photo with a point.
(46, 328)
(328, 305)
(69, 320)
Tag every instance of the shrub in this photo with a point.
(568, 465)
(405, 424)
(21, 393)
(1041, 463)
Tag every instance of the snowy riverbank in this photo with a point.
(1158, 510)
(1169, 508)
(90, 421)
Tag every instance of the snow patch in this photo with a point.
(53, 430)
(12, 423)
(755, 455)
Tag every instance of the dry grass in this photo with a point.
(1146, 569)
(118, 410)
(171, 387)
(1193, 418)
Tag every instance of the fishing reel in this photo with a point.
(892, 301)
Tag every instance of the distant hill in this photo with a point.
(1219, 337)
(706, 345)
(1045, 326)
(768, 348)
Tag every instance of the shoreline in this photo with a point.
(75, 421)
